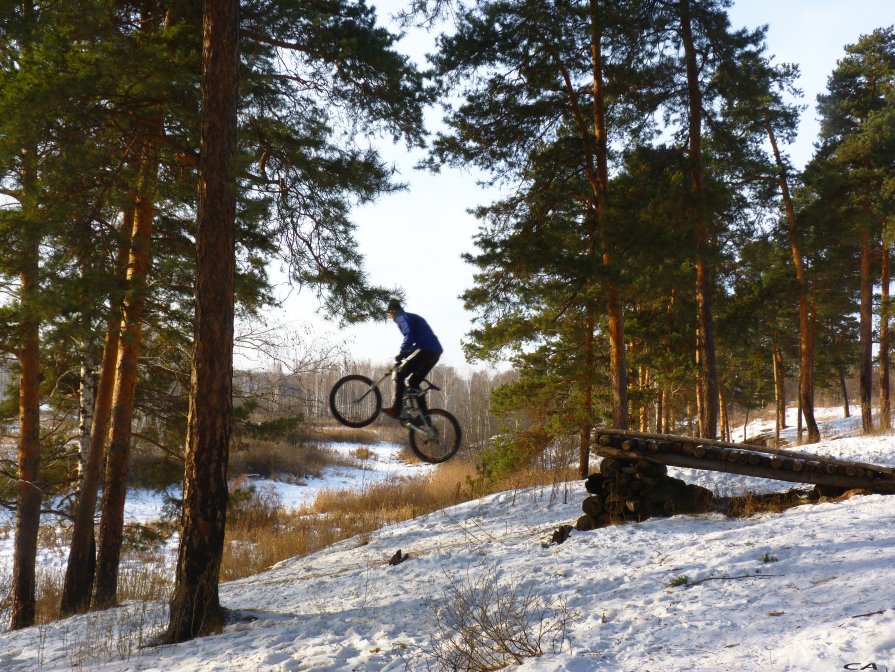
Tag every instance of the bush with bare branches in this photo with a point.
(481, 625)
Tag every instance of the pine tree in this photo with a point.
(195, 606)
(537, 83)
(701, 98)
(23, 226)
(857, 140)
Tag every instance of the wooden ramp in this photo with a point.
(745, 459)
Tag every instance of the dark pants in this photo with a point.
(414, 372)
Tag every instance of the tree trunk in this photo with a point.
(617, 357)
(642, 385)
(617, 360)
(705, 327)
(885, 407)
(806, 342)
(725, 421)
(115, 488)
(587, 397)
(79, 573)
(866, 335)
(699, 397)
(595, 155)
(779, 389)
(86, 398)
(195, 605)
(844, 389)
(28, 496)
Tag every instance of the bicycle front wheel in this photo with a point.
(444, 442)
(355, 401)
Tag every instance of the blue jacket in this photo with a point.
(417, 334)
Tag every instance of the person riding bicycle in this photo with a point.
(418, 335)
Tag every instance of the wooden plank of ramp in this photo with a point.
(673, 438)
(791, 466)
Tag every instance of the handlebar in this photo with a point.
(397, 365)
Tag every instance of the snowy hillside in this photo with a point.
(812, 588)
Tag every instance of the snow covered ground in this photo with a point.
(810, 589)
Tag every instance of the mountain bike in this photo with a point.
(434, 435)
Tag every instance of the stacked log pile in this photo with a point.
(633, 482)
(634, 490)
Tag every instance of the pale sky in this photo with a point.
(414, 239)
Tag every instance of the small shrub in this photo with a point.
(484, 625)
(145, 577)
(679, 580)
(510, 454)
(362, 453)
(53, 537)
(154, 469)
(251, 507)
(767, 557)
(141, 538)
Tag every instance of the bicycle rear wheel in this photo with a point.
(445, 442)
(355, 401)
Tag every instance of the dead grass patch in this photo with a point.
(271, 459)
(256, 542)
(385, 429)
(405, 498)
(142, 577)
(531, 477)
(751, 504)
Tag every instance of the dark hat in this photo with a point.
(394, 304)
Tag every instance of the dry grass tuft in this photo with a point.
(143, 577)
(274, 458)
(534, 476)
(362, 453)
(751, 504)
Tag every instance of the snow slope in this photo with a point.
(809, 589)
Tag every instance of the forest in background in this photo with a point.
(656, 263)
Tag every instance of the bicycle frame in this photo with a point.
(393, 371)
(409, 402)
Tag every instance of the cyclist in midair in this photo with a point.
(418, 335)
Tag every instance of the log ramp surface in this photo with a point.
(746, 459)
